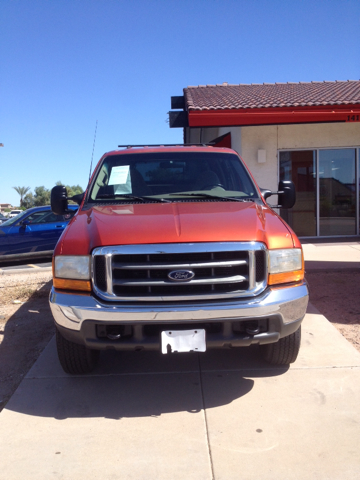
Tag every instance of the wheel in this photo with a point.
(284, 351)
(75, 359)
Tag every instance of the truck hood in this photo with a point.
(178, 222)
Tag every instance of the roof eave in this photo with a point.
(274, 115)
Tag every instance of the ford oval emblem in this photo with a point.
(181, 275)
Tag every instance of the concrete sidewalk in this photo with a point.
(30, 268)
(327, 255)
(224, 414)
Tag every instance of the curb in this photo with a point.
(25, 270)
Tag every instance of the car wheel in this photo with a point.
(284, 351)
(75, 359)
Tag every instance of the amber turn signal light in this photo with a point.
(67, 284)
(287, 277)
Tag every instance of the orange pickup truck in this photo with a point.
(175, 249)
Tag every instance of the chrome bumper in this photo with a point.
(287, 303)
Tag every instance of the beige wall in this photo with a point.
(261, 138)
(235, 137)
(208, 134)
(320, 135)
(248, 140)
(202, 135)
(280, 137)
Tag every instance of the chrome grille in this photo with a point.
(141, 272)
(100, 272)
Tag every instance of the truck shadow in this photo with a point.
(140, 384)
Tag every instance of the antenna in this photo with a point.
(92, 156)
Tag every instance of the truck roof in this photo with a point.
(168, 148)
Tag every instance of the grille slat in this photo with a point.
(222, 270)
(134, 266)
(203, 281)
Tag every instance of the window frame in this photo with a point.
(317, 205)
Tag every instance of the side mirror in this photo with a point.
(286, 194)
(24, 223)
(59, 203)
(266, 193)
(78, 198)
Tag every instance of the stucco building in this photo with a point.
(3, 206)
(305, 132)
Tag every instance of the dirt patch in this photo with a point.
(336, 295)
(26, 326)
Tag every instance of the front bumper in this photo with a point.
(78, 317)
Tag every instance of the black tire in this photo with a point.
(284, 351)
(75, 359)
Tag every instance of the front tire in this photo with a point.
(284, 351)
(75, 359)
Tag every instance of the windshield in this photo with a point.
(168, 175)
(15, 219)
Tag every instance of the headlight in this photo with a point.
(74, 266)
(72, 272)
(285, 265)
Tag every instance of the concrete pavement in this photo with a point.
(222, 414)
(328, 255)
(29, 268)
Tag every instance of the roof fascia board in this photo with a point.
(274, 116)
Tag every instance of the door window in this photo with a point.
(48, 217)
(337, 192)
(42, 217)
(326, 191)
(300, 167)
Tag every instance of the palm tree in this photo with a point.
(22, 191)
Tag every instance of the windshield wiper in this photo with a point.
(133, 197)
(208, 195)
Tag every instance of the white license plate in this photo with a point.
(183, 341)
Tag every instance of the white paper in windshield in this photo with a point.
(120, 177)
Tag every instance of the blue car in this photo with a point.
(32, 234)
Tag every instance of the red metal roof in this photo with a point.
(229, 97)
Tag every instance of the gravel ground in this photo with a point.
(26, 323)
(336, 294)
(26, 326)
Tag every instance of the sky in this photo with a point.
(69, 65)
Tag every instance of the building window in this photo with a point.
(327, 193)
(337, 192)
(300, 167)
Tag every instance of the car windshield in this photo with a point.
(15, 219)
(172, 176)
